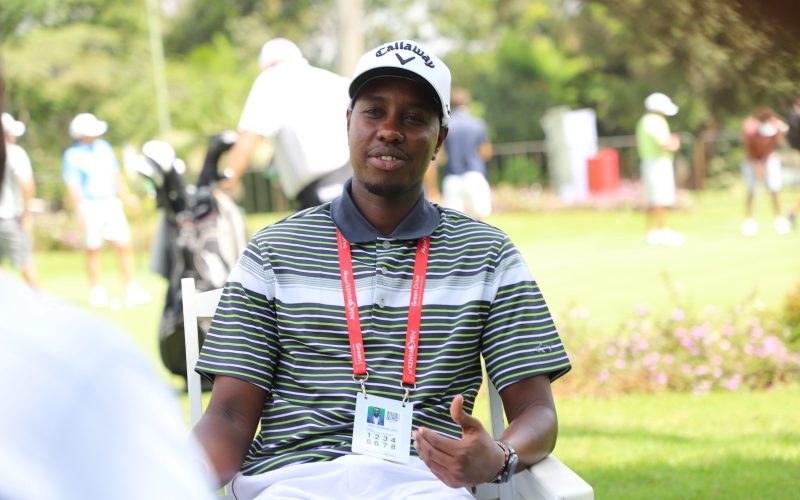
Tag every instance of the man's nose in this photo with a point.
(391, 130)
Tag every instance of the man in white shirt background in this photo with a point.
(303, 108)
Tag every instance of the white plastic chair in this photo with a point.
(549, 479)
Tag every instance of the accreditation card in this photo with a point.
(382, 427)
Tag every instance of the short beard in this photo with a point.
(390, 192)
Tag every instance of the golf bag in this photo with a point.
(200, 236)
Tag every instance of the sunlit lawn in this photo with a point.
(722, 445)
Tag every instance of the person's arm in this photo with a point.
(239, 157)
(27, 187)
(672, 144)
(124, 193)
(485, 151)
(227, 427)
(73, 196)
(476, 458)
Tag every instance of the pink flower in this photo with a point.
(701, 370)
(651, 359)
(732, 383)
(602, 376)
(774, 346)
(668, 359)
(678, 315)
(619, 364)
(660, 378)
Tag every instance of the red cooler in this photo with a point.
(604, 171)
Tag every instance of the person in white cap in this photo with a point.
(762, 132)
(379, 299)
(94, 187)
(302, 107)
(16, 192)
(656, 146)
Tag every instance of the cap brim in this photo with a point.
(17, 129)
(366, 77)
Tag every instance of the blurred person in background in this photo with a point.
(762, 132)
(303, 108)
(95, 185)
(656, 146)
(467, 149)
(793, 138)
(17, 191)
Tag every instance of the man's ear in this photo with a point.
(349, 112)
(442, 136)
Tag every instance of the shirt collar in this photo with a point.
(421, 221)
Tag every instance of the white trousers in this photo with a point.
(469, 193)
(348, 477)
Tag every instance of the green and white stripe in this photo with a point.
(281, 326)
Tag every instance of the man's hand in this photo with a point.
(474, 459)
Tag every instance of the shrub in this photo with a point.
(744, 348)
(791, 317)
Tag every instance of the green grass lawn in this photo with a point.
(722, 445)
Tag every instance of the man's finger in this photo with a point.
(467, 422)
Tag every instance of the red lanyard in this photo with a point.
(414, 308)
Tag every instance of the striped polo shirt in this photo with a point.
(281, 324)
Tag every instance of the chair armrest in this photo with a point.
(552, 480)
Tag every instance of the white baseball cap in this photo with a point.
(277, 50)
(660, 103)
(12, 126)
(767, 129)
(408, 59)
(86, 125)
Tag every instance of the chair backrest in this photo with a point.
(195, 305)
(203, 304)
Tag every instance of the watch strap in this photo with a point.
(510, 464)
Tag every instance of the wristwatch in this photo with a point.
(510, 465)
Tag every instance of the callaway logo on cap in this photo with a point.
(408, 59)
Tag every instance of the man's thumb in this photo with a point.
(462, 418)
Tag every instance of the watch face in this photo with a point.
(511, 467)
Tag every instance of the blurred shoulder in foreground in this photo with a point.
(85, 414)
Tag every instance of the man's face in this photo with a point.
(393, 131)
(376, 411)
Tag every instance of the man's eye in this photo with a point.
(417, 119)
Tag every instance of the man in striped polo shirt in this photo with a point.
(379, 303)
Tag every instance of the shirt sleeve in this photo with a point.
(264, 108)
(657, 128)
(242, 341)
(520, 339)
(69, 169)
(20, 163)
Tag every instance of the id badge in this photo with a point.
(382, 428)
